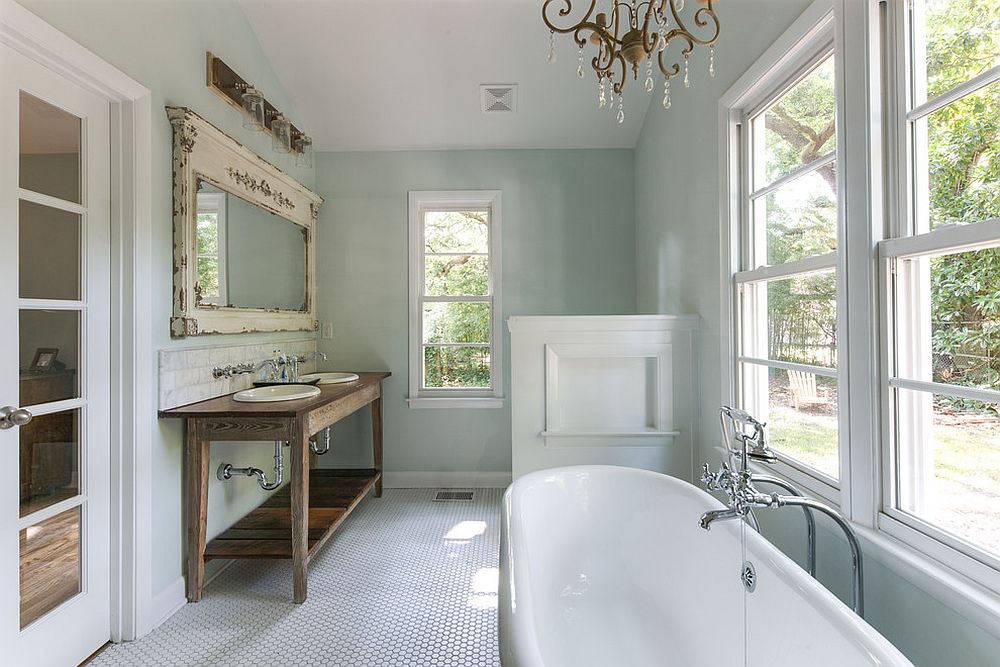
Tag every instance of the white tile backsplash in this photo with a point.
(186, 374)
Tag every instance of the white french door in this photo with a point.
(55, 378)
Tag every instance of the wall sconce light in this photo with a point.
(281, 134)
(258, 114)
(253, 109)
(303, 151)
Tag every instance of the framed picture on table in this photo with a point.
(45, 360)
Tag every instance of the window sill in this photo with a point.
(424, 403)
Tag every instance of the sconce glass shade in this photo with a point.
(304, 151)
(253, 109)
(281, 134)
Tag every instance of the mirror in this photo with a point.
(247, 256)
(244, 255)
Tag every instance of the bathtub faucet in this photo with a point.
(744, 498)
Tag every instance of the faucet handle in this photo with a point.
(707, 476)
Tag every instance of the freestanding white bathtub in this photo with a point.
(607, 566)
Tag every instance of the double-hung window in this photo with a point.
(455, 342)
(786, 282)
(941, 268)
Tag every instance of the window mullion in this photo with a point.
(804, 170)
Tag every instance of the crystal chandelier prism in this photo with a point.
(628, 36)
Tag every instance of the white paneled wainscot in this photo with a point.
(616, 389)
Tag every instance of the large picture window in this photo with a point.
(942, 268)
(454, 297)
(787, 282)
(861, 276)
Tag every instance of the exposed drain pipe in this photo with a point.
(226, 471)
(314, 444)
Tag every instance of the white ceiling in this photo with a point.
(405, 74)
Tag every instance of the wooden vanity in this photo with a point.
(297, 520)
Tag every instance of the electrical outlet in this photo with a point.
(328, 330)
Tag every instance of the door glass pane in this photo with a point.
(50, 149)
(465, 367)
(49, 460)
(49, 253)
(50, 564)
(799, 127)
(949, 464)
(456, 322)
(49, 350)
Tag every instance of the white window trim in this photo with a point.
(215, 202)
(903, 241)
(809, 39)
(966, 584)
(135, 608)
(419, 202)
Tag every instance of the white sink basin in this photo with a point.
(330, 378)
(281, 392)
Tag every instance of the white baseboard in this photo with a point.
(419, 479)
(164, 605)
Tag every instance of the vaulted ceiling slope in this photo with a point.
(405, 74)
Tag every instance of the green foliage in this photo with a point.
(207, 240)
(452, 272)
(963, 39)
(801, 219)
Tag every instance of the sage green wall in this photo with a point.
(678, 265)
(568, 248)
(162, 44)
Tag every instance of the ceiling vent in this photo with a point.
(498, 97)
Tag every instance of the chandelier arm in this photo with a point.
(620, 86)
(565, 10)
(607, 48)
(699, 20)
(614, 27)
(670, 72)
(593, 27)
(660, 12)
(653, 36)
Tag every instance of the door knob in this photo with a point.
(11, 416)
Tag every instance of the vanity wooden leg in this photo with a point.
(300, 510)
(377, 441)
(196, 455)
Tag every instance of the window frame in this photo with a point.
(870, 168)
(421, 202)
(215, 202)
(803, 58)
(905, 241)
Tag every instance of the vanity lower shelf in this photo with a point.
(266, 531)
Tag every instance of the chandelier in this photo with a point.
(629, 36)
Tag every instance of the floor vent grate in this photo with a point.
(447, 496)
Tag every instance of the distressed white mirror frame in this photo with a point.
(204, 152)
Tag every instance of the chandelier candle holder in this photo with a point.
(628, 36)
